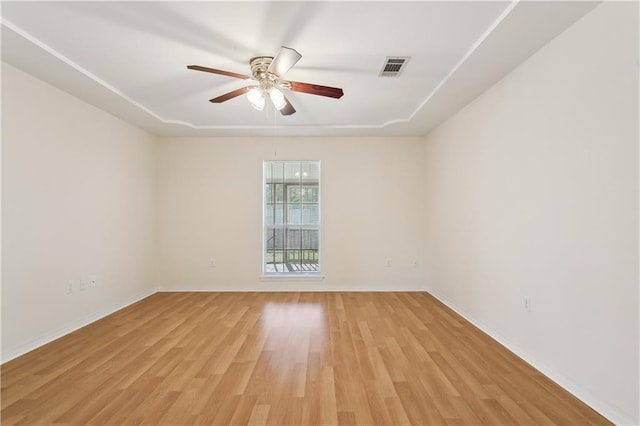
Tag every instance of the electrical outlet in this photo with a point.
(527, 304)
(82, 286)
(69, 287)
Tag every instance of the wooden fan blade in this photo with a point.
(284, 61)
(221, 72)
(288, 109)
(315, 89)
(229, 95)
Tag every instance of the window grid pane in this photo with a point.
(291, 217)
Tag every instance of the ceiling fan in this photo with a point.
(266, 75)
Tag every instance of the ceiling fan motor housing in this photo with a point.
(259, 66)
(266, 80)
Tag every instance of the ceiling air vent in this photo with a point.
(393, 66)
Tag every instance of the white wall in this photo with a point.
(210, 206)
(78, 189)
(532, 190)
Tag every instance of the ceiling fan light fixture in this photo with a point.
(256, 98)
(277, 97)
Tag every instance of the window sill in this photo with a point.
(291, 277)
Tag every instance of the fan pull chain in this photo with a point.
(275, 133)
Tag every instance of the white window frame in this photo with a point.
(305, 275)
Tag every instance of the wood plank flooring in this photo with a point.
(282, 359)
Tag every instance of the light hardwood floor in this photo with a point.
(282, 359)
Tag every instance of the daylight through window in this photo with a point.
(291, 217)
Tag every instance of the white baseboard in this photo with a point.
(612, 413)
(271, 286)
(69, 328)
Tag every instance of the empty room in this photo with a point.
(320, 213)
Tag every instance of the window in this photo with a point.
(291, 218)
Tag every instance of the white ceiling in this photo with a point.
(130, 58)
